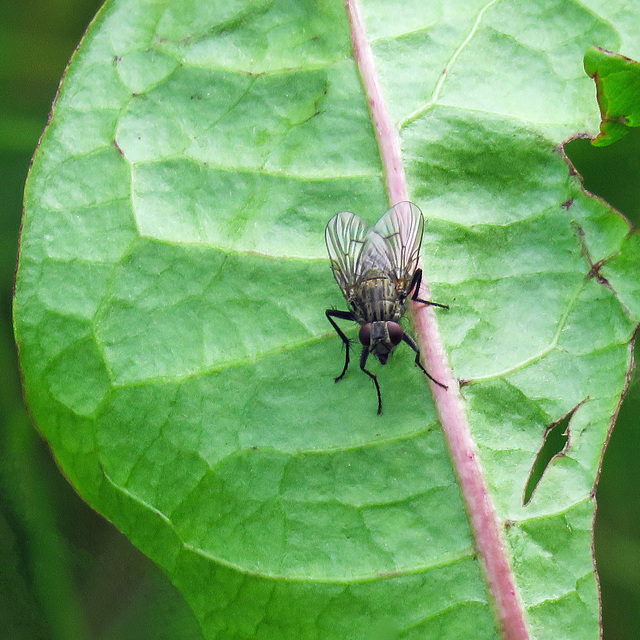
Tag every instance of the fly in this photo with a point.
(377, 271)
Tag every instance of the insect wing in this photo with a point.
(401, 229)
(375, 255)
(345, 235)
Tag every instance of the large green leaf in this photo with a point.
(173, 279)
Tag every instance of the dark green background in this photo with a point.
(67, 573)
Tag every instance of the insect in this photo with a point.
(377, 271)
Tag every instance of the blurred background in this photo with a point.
(68, 574)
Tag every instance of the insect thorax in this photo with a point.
(376, 299)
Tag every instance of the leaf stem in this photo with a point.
(486, 527)
(388, 141)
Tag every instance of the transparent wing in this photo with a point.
(401, 229)
(346, 234)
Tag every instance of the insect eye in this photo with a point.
(395, 332)
(365, 334)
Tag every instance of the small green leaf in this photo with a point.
(617, 81)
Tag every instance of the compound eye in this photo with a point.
(395, 332)
(365, 334)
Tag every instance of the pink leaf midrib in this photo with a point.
(485, 525)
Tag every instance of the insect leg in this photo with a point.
(343, 315)
(363, 362)
(412, 343)
(416, 281)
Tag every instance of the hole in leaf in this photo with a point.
(611, 172)
(555, 442)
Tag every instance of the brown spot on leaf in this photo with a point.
(117, 146)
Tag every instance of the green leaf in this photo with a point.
(172, 285)
(617, 81)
